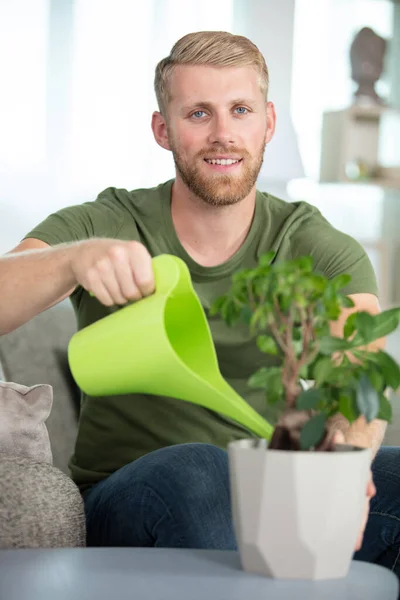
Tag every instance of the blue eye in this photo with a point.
(242, 110)
(198, 113)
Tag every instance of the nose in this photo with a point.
(221, 131)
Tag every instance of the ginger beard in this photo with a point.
(219, 188)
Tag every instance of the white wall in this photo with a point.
(270, 25)
(324, 30)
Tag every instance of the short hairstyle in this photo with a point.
(214, 48)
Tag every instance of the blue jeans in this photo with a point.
(179, 497)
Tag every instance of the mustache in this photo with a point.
(217, 151)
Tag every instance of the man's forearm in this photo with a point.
(31, 281)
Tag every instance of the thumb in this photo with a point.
(338, 438)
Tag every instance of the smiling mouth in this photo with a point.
(225, 162)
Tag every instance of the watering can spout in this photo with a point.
(160, 345)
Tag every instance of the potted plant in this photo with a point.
(298, 498)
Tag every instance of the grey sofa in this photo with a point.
(40, 506)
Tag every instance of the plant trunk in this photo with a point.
(287, 432)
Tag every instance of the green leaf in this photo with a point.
(375, 378)
(313, 431)
(266, 259)
(348, 407)
(389, 368)
(333, 309)
(241, 277)
(341, 375)
(309, 399)
(340, 281)
(330, 344)
(231, 313)
(350, 325)
(266, 378)
(269, 379)
(259, 379)
(385, 409)
(384, 323)
(318, 283)
(364, 323)
(322, 369)
(305, 263)
(303, 373)
(217, 305)
(259, 319)
(300, 300)
(246, 315)
(267, 344)
(275, 391)
(367, 398)
(347, 302)
(297, 347)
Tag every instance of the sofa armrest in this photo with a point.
(40, 507)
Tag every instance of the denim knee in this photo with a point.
(177, 496)
(192, 469)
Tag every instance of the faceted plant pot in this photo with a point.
(297, 515)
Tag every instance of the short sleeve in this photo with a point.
(101, 218)
(335, 253)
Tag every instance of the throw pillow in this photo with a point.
(23, 412)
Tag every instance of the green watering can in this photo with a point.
(160, 345)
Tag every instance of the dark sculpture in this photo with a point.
(367, 54)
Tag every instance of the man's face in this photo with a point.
(217, 129)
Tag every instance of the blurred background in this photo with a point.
(77, 97)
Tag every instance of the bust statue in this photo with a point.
(367, 55)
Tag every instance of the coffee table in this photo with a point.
(163, 574)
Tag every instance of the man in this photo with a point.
(153, 471)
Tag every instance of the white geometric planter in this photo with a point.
(297, 515)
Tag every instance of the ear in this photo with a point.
(159, 127)
(271, 122)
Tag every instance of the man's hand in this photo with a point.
(370, 493)
(114, 271)
(360, 433)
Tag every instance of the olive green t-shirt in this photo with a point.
(114, 431)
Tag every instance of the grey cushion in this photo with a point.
(40, 507)
(24, 411)
(34, 354)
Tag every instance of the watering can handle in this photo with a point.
(170, 272)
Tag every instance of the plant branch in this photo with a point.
(252, 300)
(278, 337)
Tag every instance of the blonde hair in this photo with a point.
(214, 48)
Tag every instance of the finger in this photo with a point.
(363, 526)
(371, 489)
(142, 268)
(123, 273)
(107, 276)
(99, 291)
(359, 542)
(338, 438)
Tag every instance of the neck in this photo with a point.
(210, 234)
